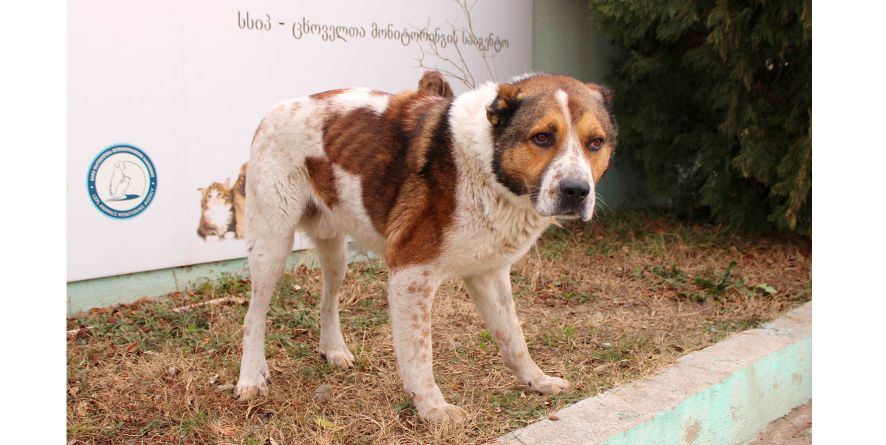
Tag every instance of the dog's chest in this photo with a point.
(491, 233)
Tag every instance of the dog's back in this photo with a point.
(373, 161)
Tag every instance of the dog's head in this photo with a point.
(553, 139)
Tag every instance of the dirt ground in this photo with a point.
(601, 303)
(793, 429)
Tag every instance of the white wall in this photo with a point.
(184, 83)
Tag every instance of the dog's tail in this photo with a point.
(434, 84)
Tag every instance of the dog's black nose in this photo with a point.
(574, 191)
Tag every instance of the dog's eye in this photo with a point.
(543, 139)
(596, 144)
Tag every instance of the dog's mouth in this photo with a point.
(573, 212)
(567, 213)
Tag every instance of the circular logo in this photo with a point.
(122, 181)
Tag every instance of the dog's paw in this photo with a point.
(340, 358)
(446, 412)
(549, 385)
(251, 387)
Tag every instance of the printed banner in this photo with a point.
(164, 98)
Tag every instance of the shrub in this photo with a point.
(714, 100)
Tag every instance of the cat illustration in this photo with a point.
(223, 208)
(216, 211)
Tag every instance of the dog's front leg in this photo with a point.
(410, 297)
(491, 292)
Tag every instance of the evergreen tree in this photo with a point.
(714, 99)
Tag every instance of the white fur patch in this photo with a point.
(472, 138)
(493, 227)
(570, 163)
(360, 98)
(350, 214)
(521, 77)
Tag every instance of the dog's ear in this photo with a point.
(606, 93)
(504, 104)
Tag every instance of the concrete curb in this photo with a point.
(724, 394)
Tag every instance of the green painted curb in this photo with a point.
(737, 409)
(724, 394)
(120, 289)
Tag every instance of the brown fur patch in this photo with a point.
(404, 160)
(525, 162)
(590, 127)
(327, 94)
(323, 179)
(606, 93)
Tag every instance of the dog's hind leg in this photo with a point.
(273, 212)
(333, 253)
(491, 292)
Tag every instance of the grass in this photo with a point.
(602, 304)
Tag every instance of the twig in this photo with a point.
(465, 74)
(466, 10)
(72, 334)
(234, 300)
(462, 72)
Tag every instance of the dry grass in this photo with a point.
(602, 304)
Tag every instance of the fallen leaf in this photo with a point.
(324, 423)
(226, 430)
(767, 288)
(82, 408)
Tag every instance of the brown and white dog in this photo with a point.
(440, 187)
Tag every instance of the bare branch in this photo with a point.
(466, 10)
(458, 68)
(464, 76)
